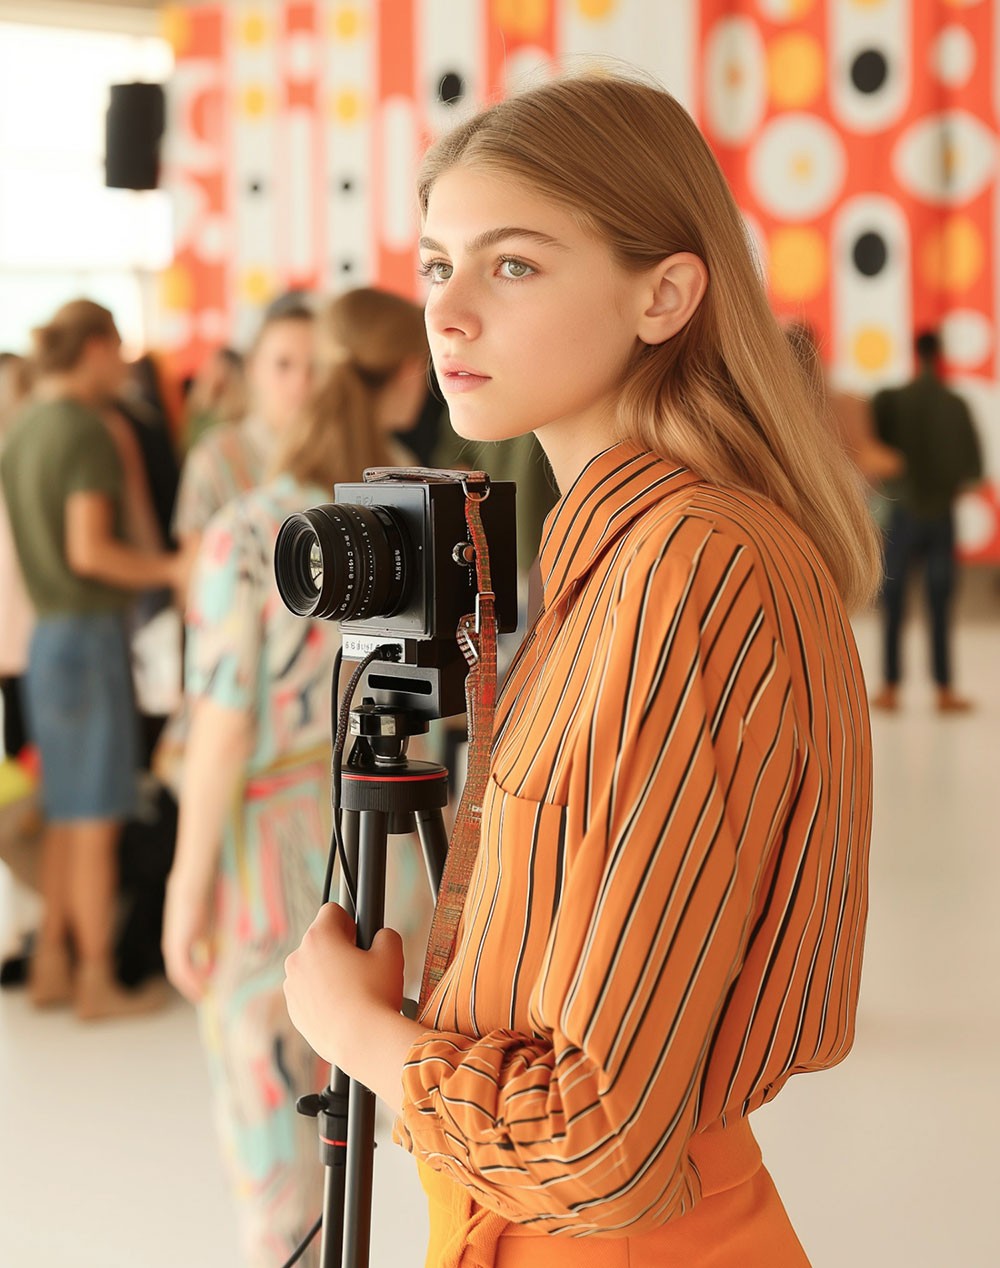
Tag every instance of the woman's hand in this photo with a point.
(187, 951)
(336, 993)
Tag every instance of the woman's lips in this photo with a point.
(461, 380)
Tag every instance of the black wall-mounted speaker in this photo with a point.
(135, 123)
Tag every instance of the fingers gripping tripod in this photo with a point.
(383, 793)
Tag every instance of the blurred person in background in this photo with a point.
(235, 457)
(931, 429)
(15, 625)
(254, 832)
(218, 395)
(145, 403)
(65, 486)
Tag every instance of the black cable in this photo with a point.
(342, 712)
(336, 843)
(303, 1245)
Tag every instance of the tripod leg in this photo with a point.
(434, 843)
(361, 1124)
(334, 1183)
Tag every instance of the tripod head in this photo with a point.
(383, 733)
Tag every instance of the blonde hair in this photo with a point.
(365, 335)
(724, 395)
(59, 344)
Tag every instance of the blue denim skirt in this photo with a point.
(82, 715)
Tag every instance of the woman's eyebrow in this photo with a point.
(490, 238)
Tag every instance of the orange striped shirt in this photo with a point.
(666, 916)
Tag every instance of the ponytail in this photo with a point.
(365, 336)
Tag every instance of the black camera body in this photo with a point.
(391, 560)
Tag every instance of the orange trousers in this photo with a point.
(739, 1223)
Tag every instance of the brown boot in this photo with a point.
(50, 976)
(99, 996)
(887, 700)
(948, 702)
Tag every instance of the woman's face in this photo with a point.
(530, 319)
(281, 372)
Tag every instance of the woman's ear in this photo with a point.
(678, 285)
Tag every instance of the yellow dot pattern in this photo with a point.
(523, 19)
(951, 257)
(255, 101)
(348, 22)
(175, 27)
(871, 348)
(795, 70)
(798, 264)
(255, 286)
(348, 106)
(253, 29)
(802, 166)
(176, 289)
(596, 10)
(787, 10)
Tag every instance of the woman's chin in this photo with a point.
(483, 430)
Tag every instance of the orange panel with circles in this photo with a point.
(859, 138)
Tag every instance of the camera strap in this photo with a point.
(477, 637)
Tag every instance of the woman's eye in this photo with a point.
(436, 270)
(513, 269)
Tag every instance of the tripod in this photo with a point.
(383, 793)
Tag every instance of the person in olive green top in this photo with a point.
(63, 484)
(932, 429)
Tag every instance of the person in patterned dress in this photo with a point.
(253, 830)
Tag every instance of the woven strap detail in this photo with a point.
(477, 637)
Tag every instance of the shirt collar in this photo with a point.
(612, 490)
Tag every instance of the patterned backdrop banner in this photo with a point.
(859, 137)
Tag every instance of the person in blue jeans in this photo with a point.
(64, 483)
(932, 429)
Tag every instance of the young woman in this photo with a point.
(70, 505)
(234, 457)
(665, 917)
(252, 839)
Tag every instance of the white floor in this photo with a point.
(106, 1158)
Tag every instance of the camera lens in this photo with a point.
(342, 562)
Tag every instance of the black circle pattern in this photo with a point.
(869, 70)
(255, 186)
(870, 253)
(451, 87)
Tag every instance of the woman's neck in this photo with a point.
(571, 443)
(74, 387)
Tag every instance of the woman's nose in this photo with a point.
(452, 310)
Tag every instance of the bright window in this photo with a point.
(62, 232)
